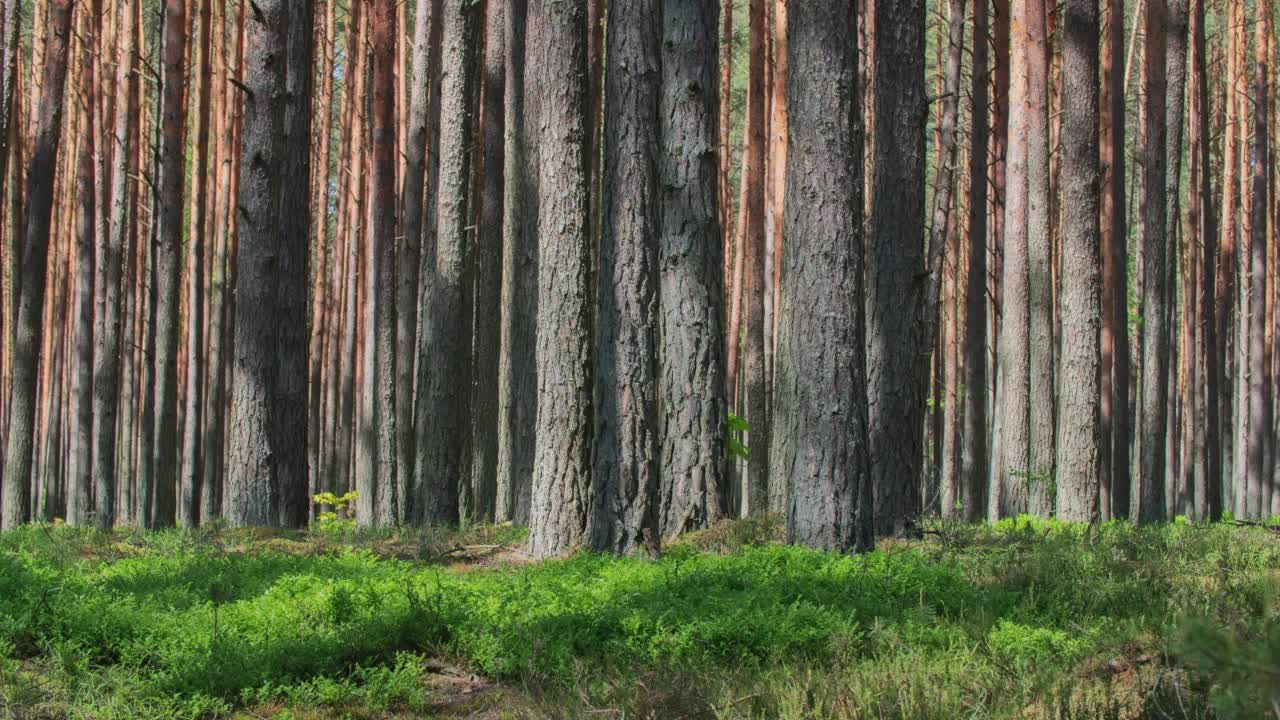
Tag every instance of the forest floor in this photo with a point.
(1025, 619)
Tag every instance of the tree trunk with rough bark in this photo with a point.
(691, 388)
(822, 449)
(975, 434)
(897, 349)
(1080, 310)
(15, 507)
(562, 464)
(442, 414)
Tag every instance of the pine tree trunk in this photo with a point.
(942, 230)
(517, 371)
(562, 464)
(80, 510)
(898, 356)
(1155, 297)
(426, 60)
(1257, 473)
(624, 487)
(1081, 313)
(487, 308)
(379, 502)
(974, 456)
(821, 450)
(29, 330)
(691, 321)
(442, 418)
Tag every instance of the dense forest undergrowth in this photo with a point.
(1024, 618)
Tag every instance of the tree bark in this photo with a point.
(974, 456)
(691, 388)
(517, 371)
(1149, 493)
(487, 309)
(898, 351)
(821, 450)
(562, 464)
(376, 478)
(29, 330)
(426, 74)
(444, 375)
(1079, 308)
(80, 507)
(1257, 474)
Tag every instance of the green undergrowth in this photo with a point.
(1021, 619)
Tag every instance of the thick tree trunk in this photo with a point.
(1079, 308)
(691, 388)
(821, 450)
(517, 371)
(1149, 493)
(898, 351)
(1207, 492)
(268, 424)
(624, 488)
(15, 508)
(442, 418)
(562, 465)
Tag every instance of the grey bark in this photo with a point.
(691, 390)
(897, 349)
(426, 59)
(251, 497)
(1079, 303)
(820, 447)
(1253, 334)
(443, 374)
(1040, 343)
(487, 307)
(79, 447)
(1207, 493)
(562, 461)
(107, 323)
(29, 328)
(1149, 505)
(292, 309)
(624, 489)
(168, 263)
(518, 363)
(974, 453)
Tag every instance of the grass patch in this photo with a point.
(1020, 619)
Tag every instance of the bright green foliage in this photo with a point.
(1025, 614)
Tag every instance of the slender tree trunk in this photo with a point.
(1207, 493)
(943, 224)
(517, 371)
(376, 478)
(898, 351)
(974, 461)
(562, 465)
(486, 321)
(1155, 331)
(822, 449)
(168, 270)
(426, 58)
(691, 388)
(444, 376)
(1253, 336)
(80, 510)
(29, 331)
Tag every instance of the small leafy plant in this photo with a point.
(737, 426)
(342, 513)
